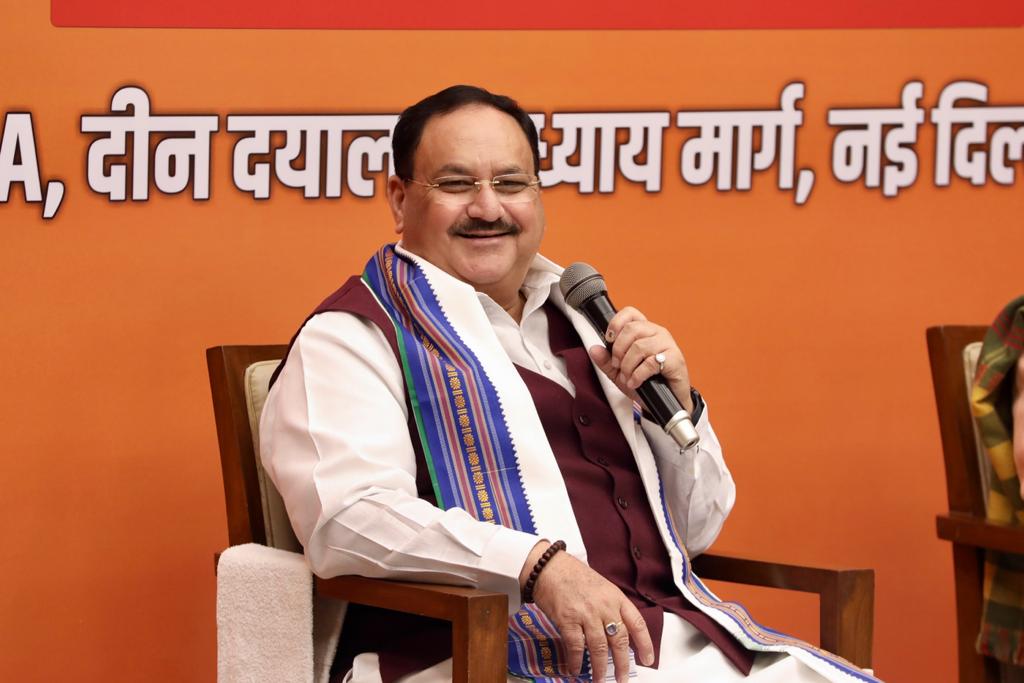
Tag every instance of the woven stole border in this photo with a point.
(466, 441)
(735, 618)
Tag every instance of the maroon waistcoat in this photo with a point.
(605, 491)
(608, 498)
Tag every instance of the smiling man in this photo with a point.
(487, 238)
(446, 418)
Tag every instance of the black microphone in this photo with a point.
(584, 289)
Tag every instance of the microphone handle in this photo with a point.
(659, 399)
(661, 403)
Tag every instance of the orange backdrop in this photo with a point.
(804, 326)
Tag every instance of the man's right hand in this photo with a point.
(581, 602)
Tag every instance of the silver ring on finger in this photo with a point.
(612, 628)
(659, 358)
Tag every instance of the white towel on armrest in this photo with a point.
(265, 619)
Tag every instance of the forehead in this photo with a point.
(475, 139)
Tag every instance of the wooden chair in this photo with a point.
(478, 617)
(966, 485)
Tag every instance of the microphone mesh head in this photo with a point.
(580, 282)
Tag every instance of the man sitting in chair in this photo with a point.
(446, 418)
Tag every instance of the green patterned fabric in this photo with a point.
(1002, 623)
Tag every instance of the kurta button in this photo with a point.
(636, 552)
(584, 420)
(623, 503)
(547, 364)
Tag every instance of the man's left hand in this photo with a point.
(635, 342)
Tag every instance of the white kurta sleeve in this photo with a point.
(697, 483)
(335, 441)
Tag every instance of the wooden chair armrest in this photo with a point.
(479, 618)
(846, 597)
(970, 530)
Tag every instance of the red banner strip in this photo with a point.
(537, 14)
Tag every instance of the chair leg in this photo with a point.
(479, 641)
(969, 570)
(846, 615)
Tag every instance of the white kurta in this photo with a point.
(335, 441)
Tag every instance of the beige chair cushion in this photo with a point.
(971, 353)
(275, 517)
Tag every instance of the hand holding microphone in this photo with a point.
(641, 357)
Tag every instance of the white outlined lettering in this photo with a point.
(19, 163)
(728, 134)
(309, 137)
(859, 151)
(178, 159)
(961, 134)
(583, 133)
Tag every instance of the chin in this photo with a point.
(485, 271)
(482, 280)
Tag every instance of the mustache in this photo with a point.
(476, 225)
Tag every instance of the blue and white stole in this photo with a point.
(473, 463)
(466, 441)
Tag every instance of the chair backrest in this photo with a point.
(239, 378)
(953, 351)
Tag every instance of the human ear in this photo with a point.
(396, 201)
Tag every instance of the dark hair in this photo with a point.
(409, 129)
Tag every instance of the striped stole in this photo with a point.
(465, 438)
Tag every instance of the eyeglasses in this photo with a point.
(459, 190)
